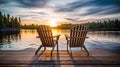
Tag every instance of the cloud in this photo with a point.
(97, 7)
(80, 20)
(71, 6)
(71, 10)
(31, 14)
(72, 19)
(102, 11)
(26, 3)
(4, 1)
(31, 3)
(41, 13)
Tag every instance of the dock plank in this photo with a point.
(24, 58)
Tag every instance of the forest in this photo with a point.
(8, 22)
(31, 26)
(106, 25)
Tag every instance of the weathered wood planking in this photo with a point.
(24, 58)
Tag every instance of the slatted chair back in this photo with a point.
(77, 35)
(45, 34)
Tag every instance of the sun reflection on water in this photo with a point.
(26, 39)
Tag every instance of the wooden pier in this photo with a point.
(26, 58)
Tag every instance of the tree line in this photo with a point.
(111, 25)
(106, 25)
(9, 22)
(31, 26)
(65, 26)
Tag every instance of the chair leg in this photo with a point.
(57, 48)
(52, 50)
(70, 51)
(86, 50)
(44, 48)
(81, 48)
(67, 46)
(38, 50)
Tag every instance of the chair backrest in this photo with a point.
(45, 34)
(75, 33)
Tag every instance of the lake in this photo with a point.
(26, 39)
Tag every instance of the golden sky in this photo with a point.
(61, 11)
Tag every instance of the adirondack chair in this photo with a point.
(47, 38)
(77, 38)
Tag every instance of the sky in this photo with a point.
(61, 11)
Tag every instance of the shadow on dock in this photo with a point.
(26, 58)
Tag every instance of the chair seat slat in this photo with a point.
(46, 37)
(77, 37)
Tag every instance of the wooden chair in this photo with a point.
(77, 37)
(47, 38)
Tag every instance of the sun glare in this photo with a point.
(53, 23)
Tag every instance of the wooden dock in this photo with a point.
(26, 58)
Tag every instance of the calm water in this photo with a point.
(26, 39)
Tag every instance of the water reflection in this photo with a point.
(26, 39)
(109, 40)
(8, 37)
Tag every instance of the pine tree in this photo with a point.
(12, 22)
(8, 20)
(2, 25)
(16, 23)
(4, 20)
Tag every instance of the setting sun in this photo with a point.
(52, 23)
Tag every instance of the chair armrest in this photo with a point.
(56, 36)
(87, 37)
(49, 37)
(37, 37)
(79, 37)
(67, 37)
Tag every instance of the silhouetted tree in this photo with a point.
(113, 24)
(2, 24)
(9, 22)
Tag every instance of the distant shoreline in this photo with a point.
(9, 29)
(16, 29)
(69, 29)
